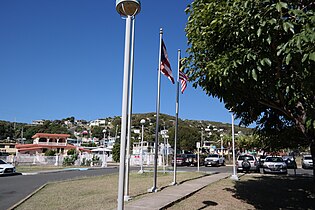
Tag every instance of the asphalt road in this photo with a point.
(15, 188)
(229, 169)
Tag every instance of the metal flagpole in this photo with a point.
(176, 122)
(127, 197)
(154, 188)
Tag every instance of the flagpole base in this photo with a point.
(173, 184)
(152, 189)
(127, 198)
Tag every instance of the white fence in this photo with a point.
(83, 159)
(58, 160)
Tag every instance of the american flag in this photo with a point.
(183, 81)
(165, 64)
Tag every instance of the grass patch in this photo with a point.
(96, 192)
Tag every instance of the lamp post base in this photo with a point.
(140, 171)
(234, 177)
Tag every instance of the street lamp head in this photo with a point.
(128, 7)
(142, 121)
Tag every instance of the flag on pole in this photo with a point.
(183, 81)
(165, 64)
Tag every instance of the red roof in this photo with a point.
(50, 135)
(27, 147)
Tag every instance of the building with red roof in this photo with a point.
(47, 141)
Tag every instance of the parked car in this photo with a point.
(262, 160)
(180, 160)
(214, 160)
(290, 161)
(6, 168)
(192, 159)
(274, 164)
(247, 163)
(307, 161)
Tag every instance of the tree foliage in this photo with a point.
(259, 58)
(116, 152)
(187, 137)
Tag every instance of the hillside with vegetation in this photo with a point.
(190, 131)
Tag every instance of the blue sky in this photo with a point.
(64, 58)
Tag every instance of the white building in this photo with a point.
(98, 122)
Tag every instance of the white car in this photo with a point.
(246, 163)
(274, 164)
(214, 160)
(6, 168)
(307, 161)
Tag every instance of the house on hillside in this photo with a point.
(47, 141)
(7, 146)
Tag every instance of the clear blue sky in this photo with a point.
(64, 58)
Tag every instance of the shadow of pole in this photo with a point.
(208, 203)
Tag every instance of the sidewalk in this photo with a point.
(172, 194)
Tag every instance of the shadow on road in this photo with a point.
(277, 192)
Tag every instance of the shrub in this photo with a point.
(50, 153)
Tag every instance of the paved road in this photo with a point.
(15, 188)
(229, 169)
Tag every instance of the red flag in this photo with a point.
(183, 80)
(165, 64)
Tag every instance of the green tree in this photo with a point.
(187, 137)
(259, 58)
(116, 152)
(97, 132)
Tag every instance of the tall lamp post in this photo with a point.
(234, 176)
(141, 150)
(127, 9)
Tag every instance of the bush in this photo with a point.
(71, 152)
(116, 152)
(69, 160)
(50, 153)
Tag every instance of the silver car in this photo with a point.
(274, 164)
(247, 163)
(6, 168)
(307, 161)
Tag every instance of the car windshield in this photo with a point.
(287, 157)
(2, 162)
(307, 158)
(274, 159)
(190, 155)
(245, 157)
(213, 155)
(180, 156)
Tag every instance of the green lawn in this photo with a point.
(96, 192)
